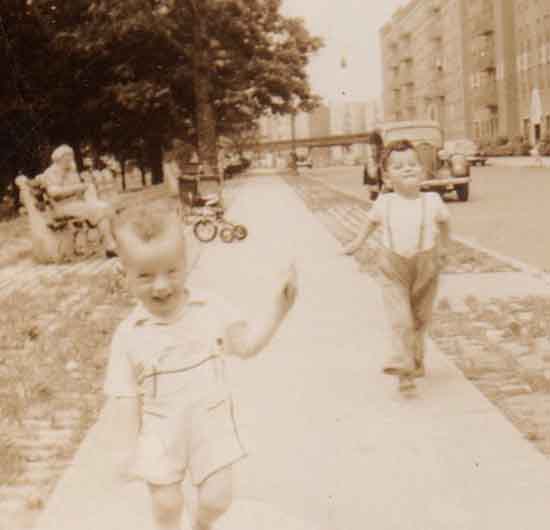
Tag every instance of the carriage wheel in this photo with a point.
(205, 230)
(227, 234)
(240, 232)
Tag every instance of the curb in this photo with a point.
(518, 264)
(517, 161)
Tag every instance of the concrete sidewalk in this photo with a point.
(332, 443)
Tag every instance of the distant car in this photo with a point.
(445, 172)
(469, 149)
(304, 162)
(236, 167)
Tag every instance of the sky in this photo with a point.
(350, 29)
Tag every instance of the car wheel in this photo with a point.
(463, 191)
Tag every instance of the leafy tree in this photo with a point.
(128, 77)
(205, 68)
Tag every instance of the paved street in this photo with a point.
(507, 211)
(332, 444)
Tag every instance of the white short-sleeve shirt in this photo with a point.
(405, 220)
(144, 345)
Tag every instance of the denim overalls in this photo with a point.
(409, 286)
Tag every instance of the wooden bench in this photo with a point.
(55, 239)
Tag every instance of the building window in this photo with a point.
(526, 127)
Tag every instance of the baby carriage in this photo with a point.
(207, 215)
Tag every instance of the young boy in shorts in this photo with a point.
(415, 230)
(166, 374)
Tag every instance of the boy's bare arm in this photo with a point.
(366, 231)
(445, 233)
(246, 339)
(122, 424)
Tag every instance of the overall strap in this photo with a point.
(422, 223)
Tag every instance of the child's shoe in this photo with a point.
(406, 383)
(419, 368)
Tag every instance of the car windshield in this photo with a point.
(415, 134)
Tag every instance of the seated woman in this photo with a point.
(72, 198)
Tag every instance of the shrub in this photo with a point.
(544, 145)
(520, 146)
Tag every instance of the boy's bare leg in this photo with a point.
(419, 366)
(422, 303)
(214, 498)
(398, 310)
(167, 505)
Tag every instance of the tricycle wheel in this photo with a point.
(463, 191)
(226, 234)
(205, 230)
(240, 232)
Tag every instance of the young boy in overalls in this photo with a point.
(415, 229)
(165, 376)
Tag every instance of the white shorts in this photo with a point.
(193, 429)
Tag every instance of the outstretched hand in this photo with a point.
(443, 258)
(349, 249)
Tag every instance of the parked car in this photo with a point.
(504, 147)
(235, 167)
(469, 149)
(304, 162)
(445, 172)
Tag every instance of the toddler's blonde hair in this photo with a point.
(146, 225)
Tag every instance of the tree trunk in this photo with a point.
(154, 159)
(96, 156)
(79, 159)
(123, 173)
(205, 116)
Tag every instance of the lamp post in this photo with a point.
(293, 155)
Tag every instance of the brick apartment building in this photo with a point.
(479, 67)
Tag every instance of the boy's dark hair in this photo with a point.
(397, 145)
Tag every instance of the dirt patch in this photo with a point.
(54, 344)
(503, 347)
